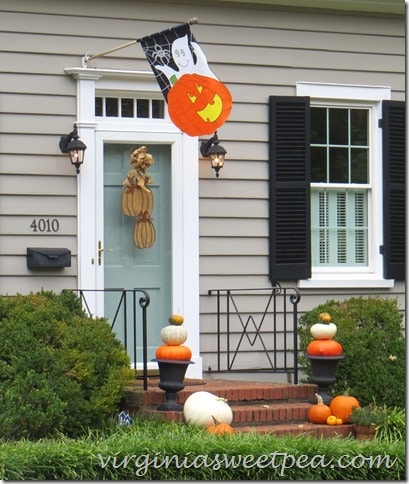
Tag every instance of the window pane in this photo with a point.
(359, 165)
(359, 127)
(158, 109)
(339, 223)
(338, 126)
(142, 107)
(338, 165)
(111, 106)
(98, 106)
(319, 126)
(318, 164)
(127, 108)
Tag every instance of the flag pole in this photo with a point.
(88, 57)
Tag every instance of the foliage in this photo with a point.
(389, 422)
(168, 451)
(368, 415)
(393, 426)
(60, 370)
(370, 332)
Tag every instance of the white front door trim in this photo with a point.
(184, 184)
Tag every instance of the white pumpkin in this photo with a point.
(173, 335)
(323, 330)
(201, 408)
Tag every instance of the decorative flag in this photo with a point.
(198, 103)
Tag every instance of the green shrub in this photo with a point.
(60, 370)
(369, 329)
(164, 451)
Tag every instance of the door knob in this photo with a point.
(100, 251)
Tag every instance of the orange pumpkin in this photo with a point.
(319, 412)
(324, 347)
(166, 352)
(199, 105)
(136, 200)
(342, 405)
(220, 428)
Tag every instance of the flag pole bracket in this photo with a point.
(88, 56)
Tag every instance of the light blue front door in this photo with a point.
(125, 265)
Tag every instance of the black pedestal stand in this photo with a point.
(323, 374)
(172, 374)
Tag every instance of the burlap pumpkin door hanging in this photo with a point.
(137, 198)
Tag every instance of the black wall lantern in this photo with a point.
(211, 149)
(72, 145)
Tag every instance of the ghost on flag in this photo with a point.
(198, 103)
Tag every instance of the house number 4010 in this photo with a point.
(45, 225)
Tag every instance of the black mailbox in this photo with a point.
(48, 258)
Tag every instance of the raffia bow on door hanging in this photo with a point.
(137, 198)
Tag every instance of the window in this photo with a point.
(129, 107)
(337, 186)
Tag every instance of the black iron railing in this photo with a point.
(127, 306)
(262, 320)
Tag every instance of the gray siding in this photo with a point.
(268, 57)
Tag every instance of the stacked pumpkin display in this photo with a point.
(324, 333)
(173, 337)
(340, 408)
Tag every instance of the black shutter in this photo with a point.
(290, 237)
(394, 213)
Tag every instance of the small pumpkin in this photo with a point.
(176, 319)
(325, 317)
(319, 412)
(323, 330)
(342, 406)
(324, 347)
(332, 420)
(167, 352)
(144, 232)
(201, 407)
(220, 428)
(173, 335)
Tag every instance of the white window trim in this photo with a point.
(185, 190)
(348, 95)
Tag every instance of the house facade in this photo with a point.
(312, 193)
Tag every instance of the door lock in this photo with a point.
(100, 251)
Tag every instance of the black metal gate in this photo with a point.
(138, 300)
(254, 323)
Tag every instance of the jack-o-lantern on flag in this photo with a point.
(198, 103)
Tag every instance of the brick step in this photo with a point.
(271, 413)
(254, 415)
(261, 407)
(235, 392)
(315, 430)
(262, 428)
